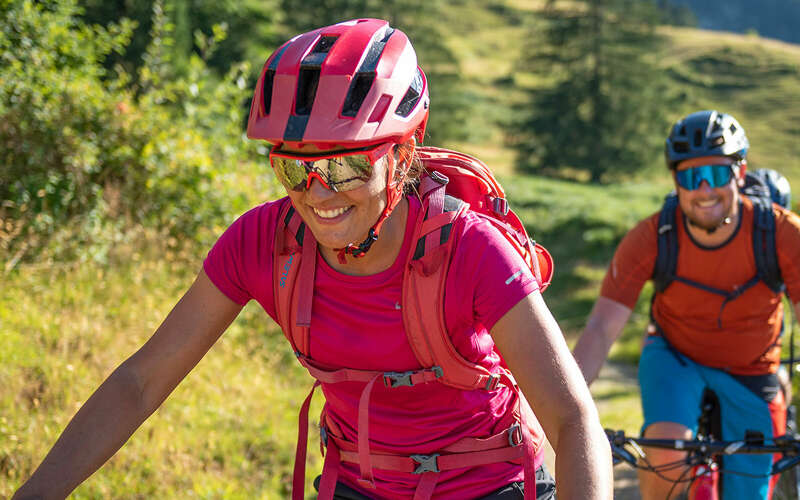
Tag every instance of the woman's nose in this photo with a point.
(316, 188)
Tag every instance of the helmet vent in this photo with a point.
(266, 92)
(410, 99)
(732, 128)
(320, 51)
(307, 83)
(357, 93)
(683, 131)
(324, 44)
(375, 50)
(680, 147)
(698, 138)
(269, 77)
(717, 141)
(359, 87)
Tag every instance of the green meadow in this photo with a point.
(229, 429)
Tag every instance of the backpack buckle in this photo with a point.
(500, 206)
(438, 177)
(515, 435)
(427, 463)
(397, 379)
(492, 382)
(401, 379)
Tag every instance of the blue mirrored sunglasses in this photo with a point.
(716, 176)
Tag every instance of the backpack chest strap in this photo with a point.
(389, 379)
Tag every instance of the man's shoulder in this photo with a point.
(787, 223)
(786, 217)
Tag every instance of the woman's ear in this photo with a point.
(405, 151)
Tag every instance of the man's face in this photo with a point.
(707, 206)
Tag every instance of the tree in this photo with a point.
(250, 24)
(600, 103)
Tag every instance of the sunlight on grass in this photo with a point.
(228, 431)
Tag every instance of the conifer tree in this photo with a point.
(601, 100)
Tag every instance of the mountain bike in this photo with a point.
(702, 465)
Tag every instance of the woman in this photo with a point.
(343, 107)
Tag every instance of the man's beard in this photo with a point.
(709, 228)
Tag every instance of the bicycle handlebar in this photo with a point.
(788, 445)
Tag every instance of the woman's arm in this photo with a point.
(534, 348)
(133, 391)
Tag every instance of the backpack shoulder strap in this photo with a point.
(424, 286)
(764, 248)
(667, 259)
(294, 266)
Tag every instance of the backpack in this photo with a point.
(454, 183)
(764, 187)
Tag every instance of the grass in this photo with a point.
(228, 431)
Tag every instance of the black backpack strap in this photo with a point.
(440, 236)
(667, 259)
(764, 248)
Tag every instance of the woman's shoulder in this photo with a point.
(264, 212)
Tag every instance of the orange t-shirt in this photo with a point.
(748, 341)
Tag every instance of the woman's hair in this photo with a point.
(415, 170)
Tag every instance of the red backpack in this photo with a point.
(455, 182)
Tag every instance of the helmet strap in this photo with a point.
(394, 193)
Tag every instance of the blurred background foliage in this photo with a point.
(123, 157)
(128, 114)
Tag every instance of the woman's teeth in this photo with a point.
(330, 214)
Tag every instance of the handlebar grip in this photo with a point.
(621, 454)
(785, 463)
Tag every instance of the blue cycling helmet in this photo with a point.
(705, 133)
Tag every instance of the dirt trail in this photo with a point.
(626, 484)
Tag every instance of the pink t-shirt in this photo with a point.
(357, 324)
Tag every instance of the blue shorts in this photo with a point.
(672, 387)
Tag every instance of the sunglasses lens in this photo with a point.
(722, 174)
(338, 173)
(291, 173)
(715, 175)
(348, 172)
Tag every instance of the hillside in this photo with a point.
(753, 78)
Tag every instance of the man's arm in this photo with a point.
(603, 327)
(133, 391)
(532, 344)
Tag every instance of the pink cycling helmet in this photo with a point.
(352, 84)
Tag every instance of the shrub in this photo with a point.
(85, 157)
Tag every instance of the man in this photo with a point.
(715, 321)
